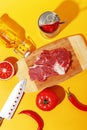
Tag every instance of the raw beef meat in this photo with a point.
(49, 63)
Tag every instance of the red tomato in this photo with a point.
(47, 99)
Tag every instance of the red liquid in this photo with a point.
(49, 28)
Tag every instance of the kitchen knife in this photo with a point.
(12, 101)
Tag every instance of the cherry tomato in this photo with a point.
(47, 99)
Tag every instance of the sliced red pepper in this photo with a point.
(35, 116)
(73, 99)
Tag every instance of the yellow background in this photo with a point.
(65, 116)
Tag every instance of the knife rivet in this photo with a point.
(13, 105)
(20, 88)
(19, 93)
(15, 101)
(11, 109)
(17, 97)
(9, 113)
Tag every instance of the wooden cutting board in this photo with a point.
(75, 44)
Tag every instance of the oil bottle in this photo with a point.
(12, 35)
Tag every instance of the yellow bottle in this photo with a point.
(12, 35)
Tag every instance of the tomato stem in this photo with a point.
(46, 101)
(68, 92)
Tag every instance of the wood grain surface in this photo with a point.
(75, 66)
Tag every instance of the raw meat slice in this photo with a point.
(37, 73)
(41, 72)
(49, 63)
(63, 57)
(45, 58)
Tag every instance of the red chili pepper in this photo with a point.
(35, 116)
(73, 99)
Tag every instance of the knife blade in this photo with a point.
(13, 100)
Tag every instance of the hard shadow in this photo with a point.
(13, 61)
(84, 38)
(16, 31)
(68, 11)
(13, 25)
(59, 91)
